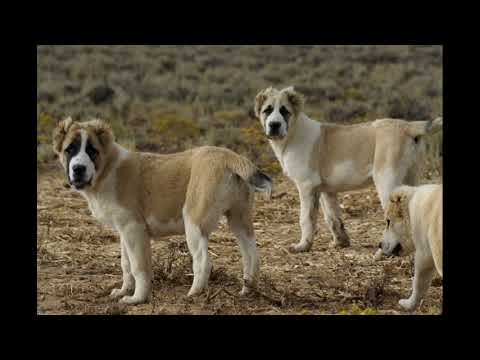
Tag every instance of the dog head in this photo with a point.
(396, 236)
(82, 148)
(278, 110)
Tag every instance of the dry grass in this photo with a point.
(78, 263)
(170, 98)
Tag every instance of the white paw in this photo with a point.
(195, 291)
(116, 293)
(407, 304)
(300, 247)
(378, 255)
(245, 290)
(133, 300)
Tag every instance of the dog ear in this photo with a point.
(295, 99)
(260, 99)
(399, 202)
(104, 133)
(417, 129)
(434, 126)
(59, 133)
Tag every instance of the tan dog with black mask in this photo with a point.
(324, 159)
(144, 195)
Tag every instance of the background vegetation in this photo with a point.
(169, 98)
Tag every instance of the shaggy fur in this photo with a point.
(145, 195)
(324, 159)
(414, 224)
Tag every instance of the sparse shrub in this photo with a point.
(100, 94)
(213, 87)
(175, 127)
(353, 94)
(346, 112)
(119, 129)
(45, 153)
(229, 137)
(233, 117)
(408, 108)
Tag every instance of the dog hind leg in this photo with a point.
(240, 222)
(333, 218)
(198, 246)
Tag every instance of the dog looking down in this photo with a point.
(144, 195)
(324, 159)
(413, 220)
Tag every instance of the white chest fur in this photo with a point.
(104, 203)
(295, 155)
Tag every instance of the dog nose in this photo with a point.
(380, 245)
(79, 170)
(274, 126)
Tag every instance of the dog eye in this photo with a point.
(69, 149)
(268, 110)
(91, 151)
(284, 111)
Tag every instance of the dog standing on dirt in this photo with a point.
(144, 195)
(324, 159)
(414, 223)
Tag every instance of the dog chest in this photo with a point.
(297, 169)
(102, 210)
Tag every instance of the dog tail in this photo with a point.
(262, 183)
(245, 169)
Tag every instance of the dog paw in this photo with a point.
(300, 247)
(407, 304)
(194, 291)
(133, 300)
(246, 289)
(339, 245)
(378, 255)
(116, 293)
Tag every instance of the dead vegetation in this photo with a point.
(78, 263)
(170, 98)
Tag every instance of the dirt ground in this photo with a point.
(78, 262)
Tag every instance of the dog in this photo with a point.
(414, 224)
(144, 195)
(324, 159)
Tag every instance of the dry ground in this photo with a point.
(78, 262)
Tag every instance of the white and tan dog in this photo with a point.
(144, 195)
(414, 223)
(324, 159)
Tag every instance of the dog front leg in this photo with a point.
(386, 181)
(137, 247)
(309, 203)
(128, 279)
(424, 270)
